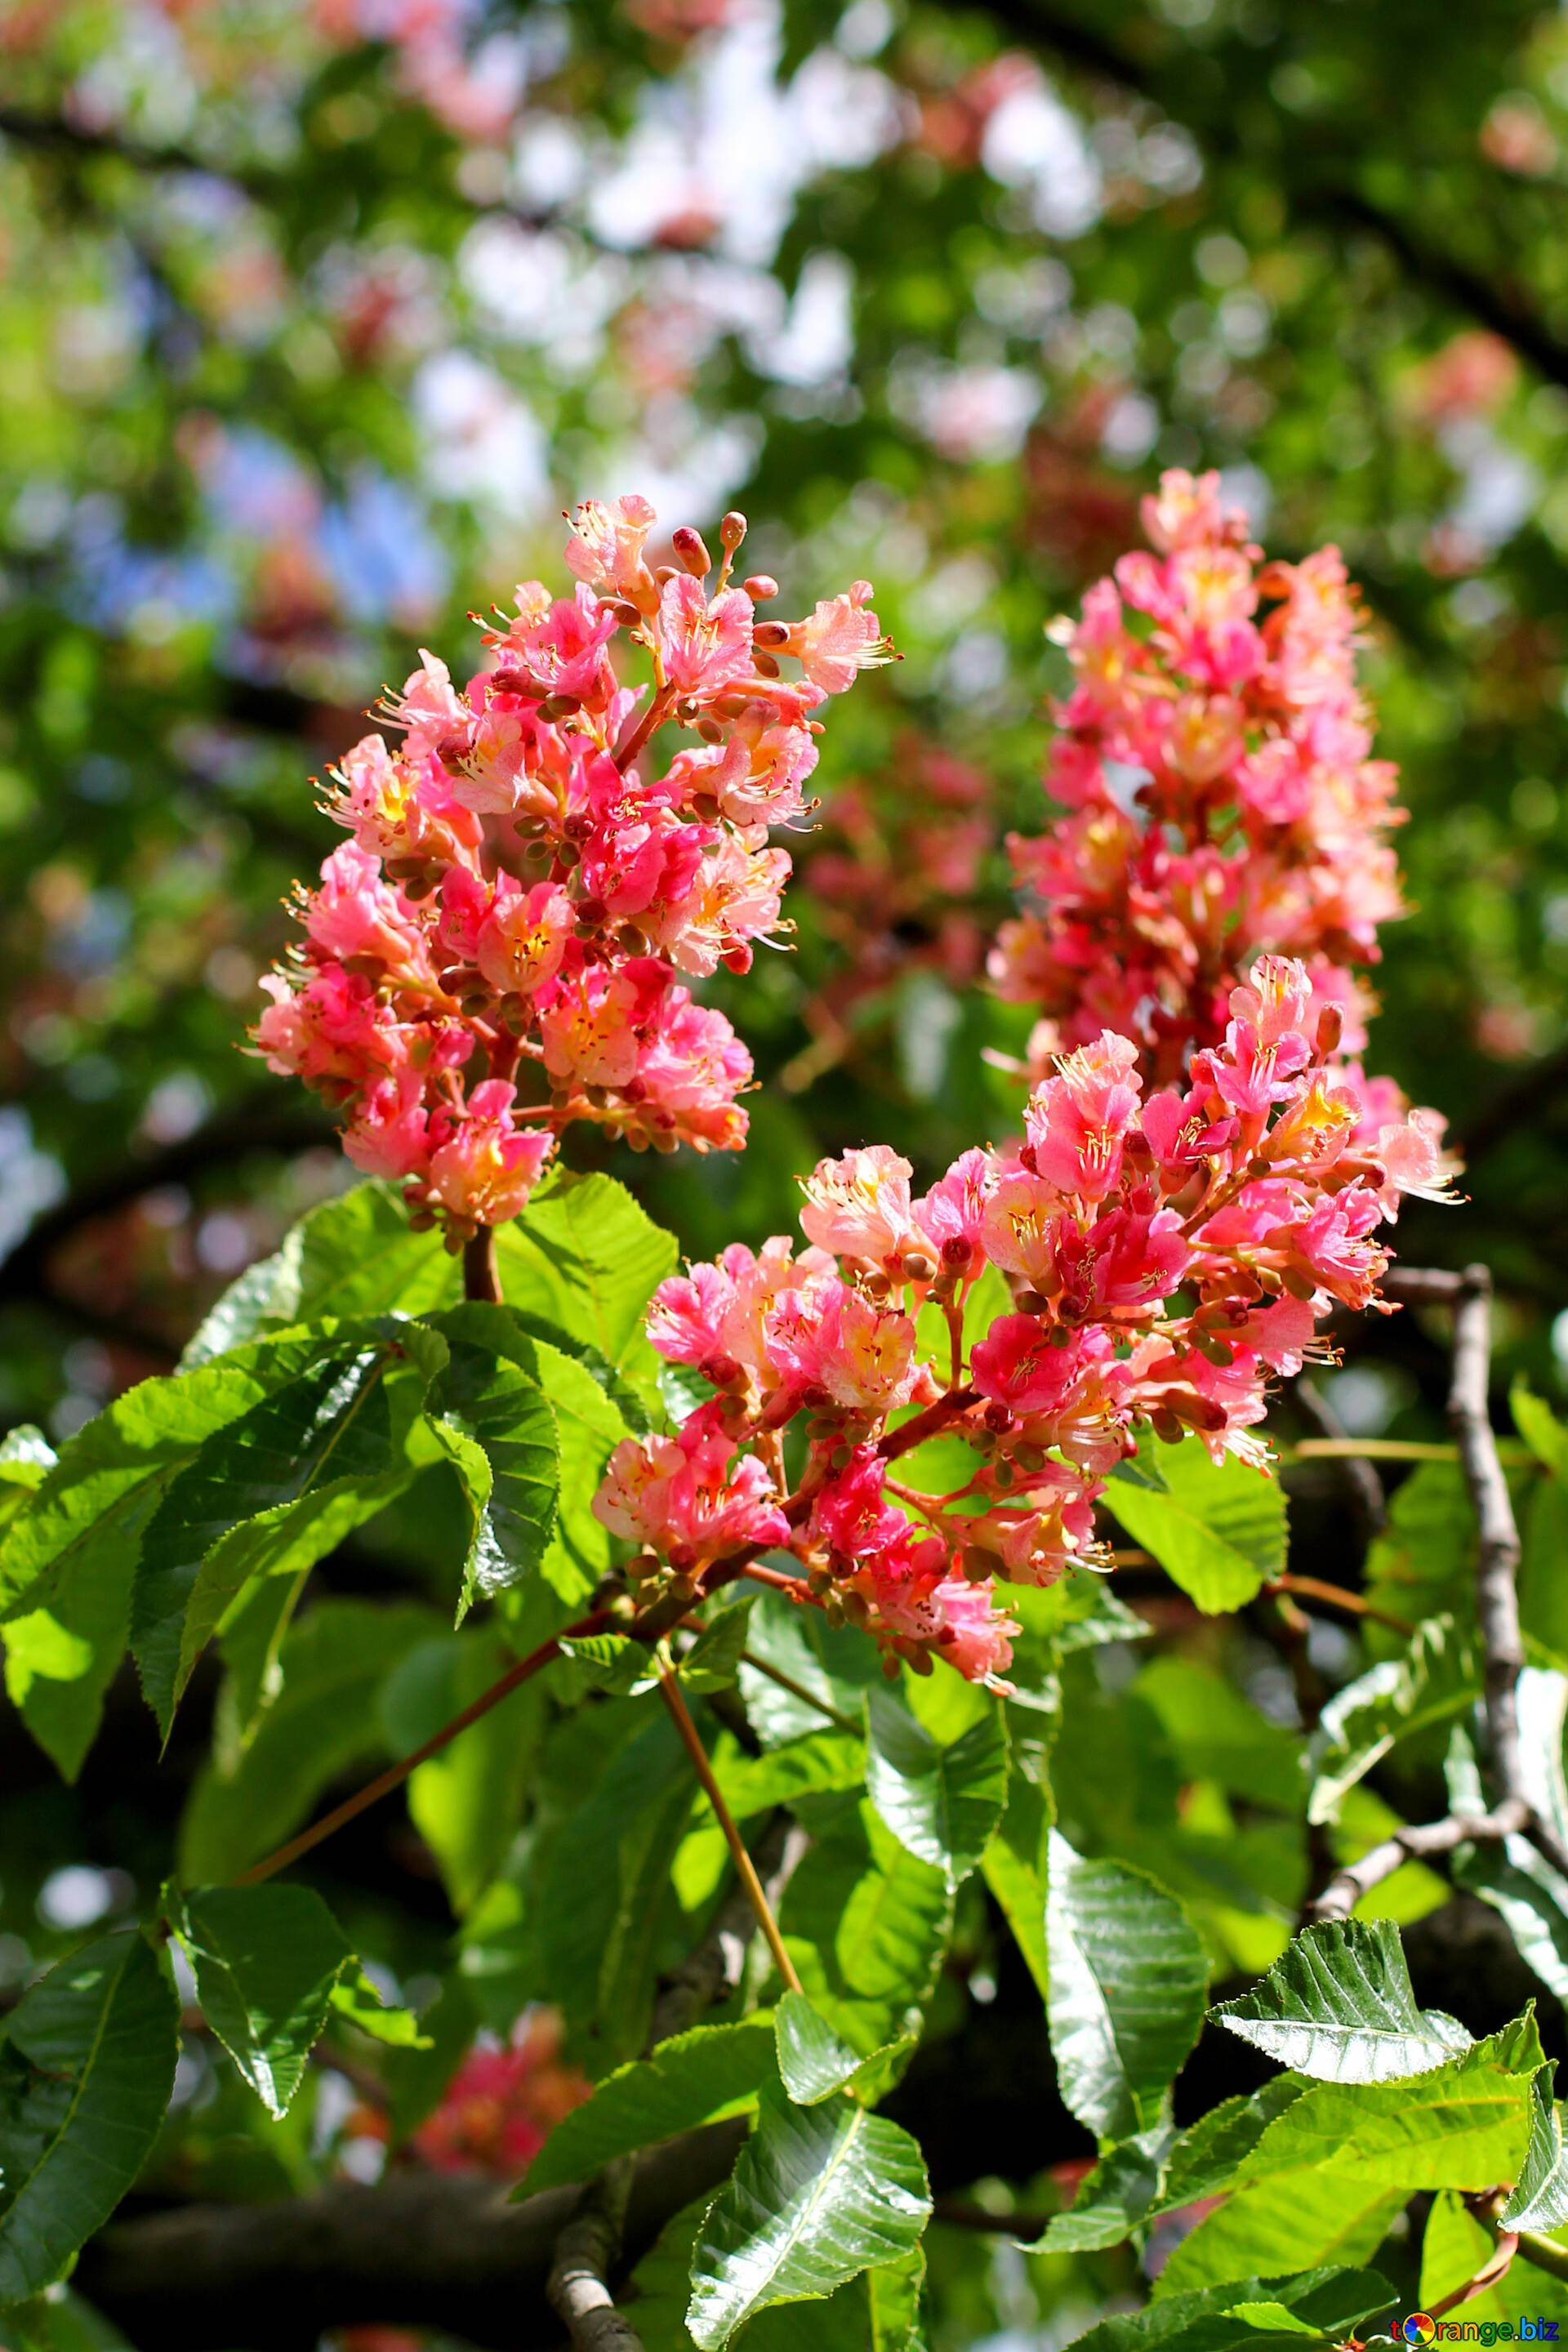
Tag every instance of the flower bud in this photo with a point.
(957, 1253)
(731, 530)
(694, 556)
(761, 588)
(771, 636)
(1330, 1028)
(917, 1267)
(508, 681)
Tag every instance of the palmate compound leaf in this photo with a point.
(818, 2194)
(1219, 1530)
(1127, 1980)
(1338, 2006)
(86, 2068)
(267, 1960)
(694, 2078)
(942, 1801)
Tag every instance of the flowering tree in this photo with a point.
(780, 1580)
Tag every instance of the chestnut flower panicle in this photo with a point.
(1165, 1251)
(494, 952)
(1213, 763)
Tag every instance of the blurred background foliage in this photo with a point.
(314, 314)
(312, 318)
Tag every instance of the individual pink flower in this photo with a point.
(555, 647)
(1076, 1120)
(704, 642)
(486, 1172)
(859, 1205)
(606, 549)
(842, 637)
(522, 939)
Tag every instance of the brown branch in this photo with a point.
(481, 1272)
(1334, 1596)
(586, 2256)
(421, 2249)
(1497, 1602)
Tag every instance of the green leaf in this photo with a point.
(867, 1925)
(60, 2321)
(1338, 2006)
(714, 1660)
(511, 1468)
(1435, 1680)
(26, 1457)
(605, 1886)
(837, 1665)
(358, 1999)
(70, 1555)
(1539, 2200)
(86, 2069)
(1330, 2172)
(587, 1256)
(1114, 2198)
(1542, 1586)
(1545, 1435)
(327, 1428)
(814, 2063)
(941, 1803)
(821, 1761)
(1514, 1877)
(266, 1961)
(466, 1802)
(1219, 1734)
(1219, 1530)
(248, 1799)
(1128, 1979)
(1424, 1562)
(1015, 1864)
(695, 2078)
(818, 2195)
(1328, 2301)
(1213, 2153)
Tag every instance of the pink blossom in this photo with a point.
(486, 1172)
(859, 1205)
(842, 637)
(522, 939)
(703, 642)
(556, 647)
(606, 549)
(691, 1494)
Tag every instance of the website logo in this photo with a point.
(1420, 2327)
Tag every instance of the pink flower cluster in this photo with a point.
(494, 952)
(1221, 802)
(1165, 1251)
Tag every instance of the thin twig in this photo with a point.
(395, 1774)
(691, 1741)
(1334, 1596)
(1359, 1481)
(1496, 1601)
